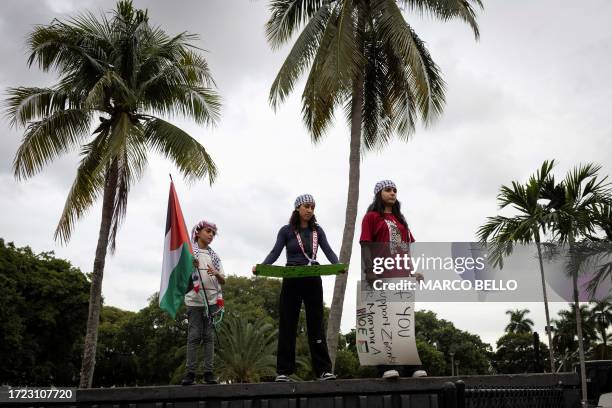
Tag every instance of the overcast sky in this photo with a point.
(536, 86)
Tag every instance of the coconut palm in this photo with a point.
(500, 233)
(574, 201)
(364, 56)
(518, 322)
(116, 73)
(246, 351)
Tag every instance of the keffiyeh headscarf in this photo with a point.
(194, 238)
(381, 185)
(303, 199)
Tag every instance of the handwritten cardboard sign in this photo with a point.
(385, 327)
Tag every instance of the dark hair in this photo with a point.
(379, 206)
(295, 223)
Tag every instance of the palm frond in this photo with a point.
(65, 47)
(287, 16)
(323, 89)
(177, 145)
(109, 86)
(399, 93)
(199, 103)
(426, 80)
(130, 166)
(300, 57)
(86, 188)
(25, 104)
(447, 10)
(44, 140)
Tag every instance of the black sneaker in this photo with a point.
(209, 378)
(189, 379)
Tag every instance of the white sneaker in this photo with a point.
(327, 376)
(419, 373)
(283, 378)
(390, 374)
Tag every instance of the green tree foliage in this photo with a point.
(347, 360)
(516, 354)
(143, 348)
(116, 363)
(433, 359)
(602, 317)
(518, 322)
(594, 327)
(253, 298)
(43, 310)
(443, 337)
(246, 350)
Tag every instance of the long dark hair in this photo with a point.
(379, 206)
(295, 223)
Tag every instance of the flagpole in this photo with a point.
(210, 318)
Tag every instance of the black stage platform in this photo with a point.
(529, 390)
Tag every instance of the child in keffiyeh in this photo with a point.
(204, 300)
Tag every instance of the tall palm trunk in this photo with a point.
(579, 330)
(95, 292)
(548, 333)
(335, 314)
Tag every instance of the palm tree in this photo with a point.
(363, 56)
(116, 75)
(518, 322)
(565, 339)
(602, 319)
(603, 217)
(574, 202)
(589, 326)
(500, 233)
(247, 350)
(599, 250)
(564, 342)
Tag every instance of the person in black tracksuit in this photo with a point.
(302, 237)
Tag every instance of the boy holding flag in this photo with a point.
(204, 300)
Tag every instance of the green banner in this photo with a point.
(272, 271)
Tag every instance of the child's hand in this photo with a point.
(196, 264)
(212, 271)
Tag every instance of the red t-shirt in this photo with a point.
(375, 229)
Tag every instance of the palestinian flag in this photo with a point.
(178, 258)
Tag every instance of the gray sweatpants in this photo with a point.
(200, 329)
